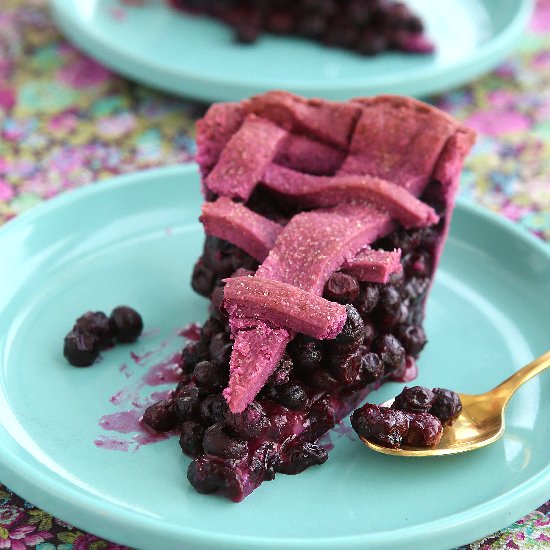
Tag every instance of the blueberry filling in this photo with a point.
(316, 383)
(324, 226)
(365, 26)
(416, 418)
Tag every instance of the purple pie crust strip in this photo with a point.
(309, 155)
(283, 305)
(240, 226)
(398, 139)
(214, 130)
(336, 235)
(325, 191)
(328, 121)
(374, 266)
(245, 158)
(256, 353)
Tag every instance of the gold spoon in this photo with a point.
(481, 421)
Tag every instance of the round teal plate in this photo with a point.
(134, 240)
(197, 57)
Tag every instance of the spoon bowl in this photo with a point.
(481, 421)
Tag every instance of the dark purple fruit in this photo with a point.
(81, 349)
(392, 353)
(209, 376)
(127, 324)
(203, 279)
(191, 354)
(415, 399)
(380, 424)
(372, 367)
(307, 354)
(213, 409)
(250, 423)
(98, 324)
(191, 438)
(160, 417)
(367, 300)
(187, 403)
(412, 337)
(341, 288)
(282, 372)
(218, 441)
(296, 456)
(446, 406)
(291, 395)
(424, 430)
(209, 475)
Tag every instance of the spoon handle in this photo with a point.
(510, 385)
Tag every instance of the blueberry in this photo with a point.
(203, 279)
(307, 354)
(391, 310)
(369, 334)
(291, 395)
(391, 352)
(213, 409)
(415, 288)
(346, 368)
(247, 34)
(191, 354)
(210, 329)
(367, 300)
(160, 417)
(250, 423)
(372, 367)
(263, 462)
(352, 333)
(321, 379)
(341, 288)
(216, 297)
(424, 430)
(187, 403)
(98, 324)
(282, 372)
(417, 264)
(322, 418)
(209, 376)
(127, 324)
(415, 399)
(298, 455)
(81, 349)
(370, 42)
(218, 442)
(216, 348)
(191, 437)
(412, 337)
(209, 475)
(380, 424)
(446, 406)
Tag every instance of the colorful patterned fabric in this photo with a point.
(67, 121)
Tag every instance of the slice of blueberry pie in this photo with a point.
(365, 26)
(324, 225)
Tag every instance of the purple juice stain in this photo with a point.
(411, 371)
(123, 422)
(191, 332)
(159, 371)
(165, 372)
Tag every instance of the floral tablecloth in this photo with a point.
(66, 121)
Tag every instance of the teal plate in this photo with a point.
(134, 240)
(196, 57)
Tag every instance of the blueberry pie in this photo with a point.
(365, 26)
(324, 226)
